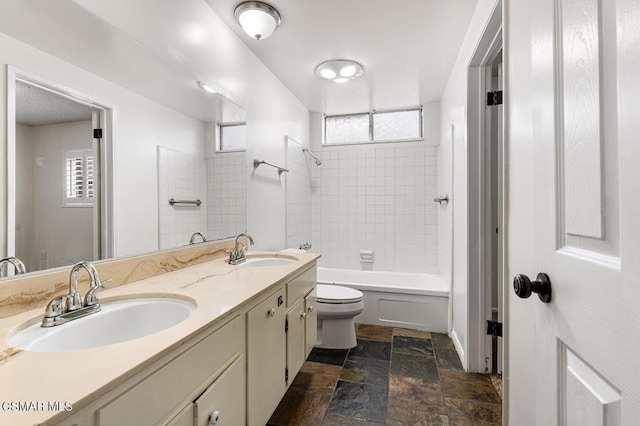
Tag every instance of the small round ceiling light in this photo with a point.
(339, 70)
(206, 88)
(259, 20)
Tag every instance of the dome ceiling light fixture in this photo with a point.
(259, 20)
(339, 70)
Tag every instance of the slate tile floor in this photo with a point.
(394, 376)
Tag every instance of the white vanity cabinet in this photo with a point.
(301, 321)
(165, 391)
(266, 357)
(277, 344)
(230, 375)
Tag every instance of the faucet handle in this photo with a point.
(91, 298)
(56, 307)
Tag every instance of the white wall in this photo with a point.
(140, 125)
(454, 112)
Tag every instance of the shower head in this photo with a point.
(317, 160)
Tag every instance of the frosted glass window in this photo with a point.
(233, 137)
(388, 126)
(346, 128)
(397, 125)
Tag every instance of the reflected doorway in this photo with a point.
(56, 206)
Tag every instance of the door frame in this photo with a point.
(478, 286)
(104, 116)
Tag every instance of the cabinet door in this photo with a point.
(266, 358)
(311, 334)
(295, 339)
(223, 403)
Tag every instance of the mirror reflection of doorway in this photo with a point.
(57, 209)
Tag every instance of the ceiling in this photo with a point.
(39, 107)
(407, 48)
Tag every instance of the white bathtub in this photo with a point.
(398, 299)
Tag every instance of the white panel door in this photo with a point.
(586, 167)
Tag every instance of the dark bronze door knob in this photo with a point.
(523, 286)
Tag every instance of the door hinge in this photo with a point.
(286, 325)
(286, 374)
(97, 133)
(494, 98)
(494, 328)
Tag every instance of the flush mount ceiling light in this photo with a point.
(206, 88)
(339, 70)
(259, 20)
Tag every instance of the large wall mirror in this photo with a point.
(60, 190)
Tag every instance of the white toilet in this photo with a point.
(337, 306)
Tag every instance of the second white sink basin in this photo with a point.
(117, 322)
(268, 261)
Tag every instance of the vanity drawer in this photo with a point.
(173, 384)
(300, 286)
(224, 399)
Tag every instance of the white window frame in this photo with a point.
(85, 200)
(371, 114)
(219, 131)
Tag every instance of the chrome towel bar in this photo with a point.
(173, 201)
(257, 163)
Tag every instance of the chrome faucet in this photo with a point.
(68, 307)
(197, 234)
(236, 256)
(17, 264)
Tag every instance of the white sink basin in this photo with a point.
(268, 261)
(117, 322)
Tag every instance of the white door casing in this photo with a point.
(586, 197)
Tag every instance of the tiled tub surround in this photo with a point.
(298, 184)
(226, 196)
(394, 376)
(183, 177)
(218, 289)
(376, 197)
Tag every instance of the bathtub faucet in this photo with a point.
(236, 256)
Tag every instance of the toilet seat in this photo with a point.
(336, 294)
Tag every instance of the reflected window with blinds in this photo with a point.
(79, 185)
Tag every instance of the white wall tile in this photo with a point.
(381, 204)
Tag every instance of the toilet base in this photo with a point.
(336, 333)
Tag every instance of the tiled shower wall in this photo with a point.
(180, 176)
(226, 195)
(380, 198)
(299, 211)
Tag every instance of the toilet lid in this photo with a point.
(338, 294)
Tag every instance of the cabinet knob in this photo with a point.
(214, 417)
(303, 315)
(310, 309)
(272, 312)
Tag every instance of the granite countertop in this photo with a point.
(81, 376)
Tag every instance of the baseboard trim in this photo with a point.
(459, 349)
